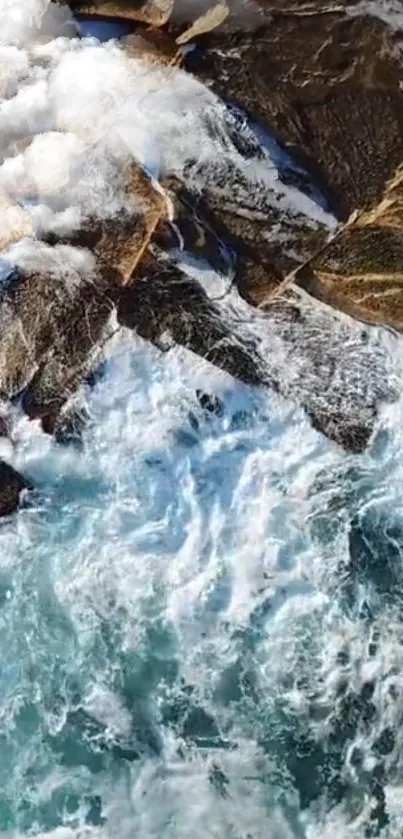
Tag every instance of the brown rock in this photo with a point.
(54, 317)
(268, 238)
(164, 304)
(153, 12)
(16, 223)
(328, 85)
(211, 19)
(152, 46)
(360, 271)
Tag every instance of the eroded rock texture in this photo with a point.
(327, 83)
(12, 484)
(154, 12)
(312, 130)
(55, 309)
(361, 269)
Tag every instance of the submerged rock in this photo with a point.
(12, 484)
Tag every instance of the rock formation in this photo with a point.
(360, 271)
(314, 110)
(12, 484)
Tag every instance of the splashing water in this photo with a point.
(201, 616)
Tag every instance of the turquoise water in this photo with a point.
(200, 619)
(200, 607)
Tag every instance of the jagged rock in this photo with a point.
(318, 364)
(210, 403)
(163, 300)
(328, 84)
(258, 221)
(54, 315)
(201, 17)
(152, 46)
(209, 20)
(153, 12)
(119, 243)
(360, 271)
(70, 425)
(200, 232)
(12, 485)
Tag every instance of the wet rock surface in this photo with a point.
(12, 484)
(53, 319)
(327, 84)
(165, 306)
(313, 129)
(361, 270)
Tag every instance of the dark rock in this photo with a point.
(84, 741)
(199, 228)
(361, 270)
(68, 326)
(199, 725)
(54, 320)
(376, 546)
(12, 485)
(328, 84)
(163, 302)
(219, 780)
(70, 425)
(4, 427)
(353, 433)
(210, 403)
(163, 299)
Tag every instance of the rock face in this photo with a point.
(164, 304)
(154, 12)
(312, 130)
(328, 84)
(55, 312)
(361, 270)
(313, 359)
(12, 485)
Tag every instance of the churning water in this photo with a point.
(201, 614)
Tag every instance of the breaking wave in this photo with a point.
(201, 628)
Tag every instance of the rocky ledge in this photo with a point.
(311, 103)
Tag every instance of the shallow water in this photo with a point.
(200, 610)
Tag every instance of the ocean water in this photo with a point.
(201, 618)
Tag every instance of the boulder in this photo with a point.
(152, 12)
(328, 83)
(360, 271)
(12, 485)
(54, 314)
(163, 302)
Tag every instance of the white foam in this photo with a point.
(83, 109)
(175, 559)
